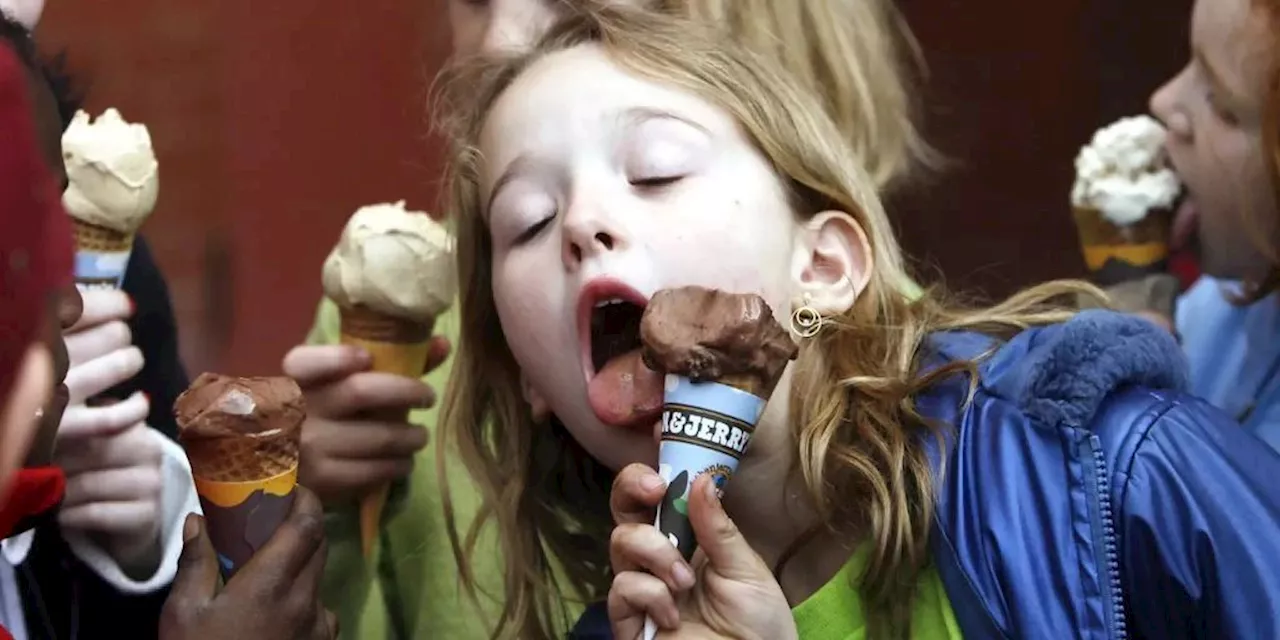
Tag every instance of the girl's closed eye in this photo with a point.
(519, 213)
(663, 152)
(1220, 109)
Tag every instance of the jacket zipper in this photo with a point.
(1112, 587)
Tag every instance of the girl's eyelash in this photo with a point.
(1225, 115)
(533, 231)
(658, 181)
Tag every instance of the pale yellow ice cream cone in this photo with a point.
(396, 346)
(391, 275)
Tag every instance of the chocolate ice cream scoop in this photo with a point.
(711, 335)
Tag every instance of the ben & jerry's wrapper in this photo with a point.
(706, 427)
(102, 256)
(241, 436)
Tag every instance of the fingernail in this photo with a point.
(146, 396)
(190, 528)
(682, 574)
(713, 494)
(652, 482)
(133, 305)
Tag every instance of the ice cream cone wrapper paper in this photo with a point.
(395, 346)
(706, 427)
(102, 256)
(1115, 253)
(242, 516)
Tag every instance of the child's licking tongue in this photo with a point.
(625, 392)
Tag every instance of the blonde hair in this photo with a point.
(857, 432)
(858, 56)
(1265, 229)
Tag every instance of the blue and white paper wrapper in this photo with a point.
(101, 269)
(706, 427)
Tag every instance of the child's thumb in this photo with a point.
(727, 551)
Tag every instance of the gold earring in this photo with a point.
(806, 322)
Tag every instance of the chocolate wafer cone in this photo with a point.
(241, 436)
(90, 237)
(397, 346)
(245, 484)
(749, 383)
(1116, 253)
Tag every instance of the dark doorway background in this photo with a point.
(1015, 88)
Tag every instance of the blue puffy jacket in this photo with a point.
(1086, 496)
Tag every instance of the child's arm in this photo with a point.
(1201, 529)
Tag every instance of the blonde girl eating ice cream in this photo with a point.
(922, 469)
(858, 54)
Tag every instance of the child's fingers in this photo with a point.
(642, 547)
(635, 595)
(727, 551)
(636, 492)
(437, 352)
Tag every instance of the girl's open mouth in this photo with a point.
(622, 391)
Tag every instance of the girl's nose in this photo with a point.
(1166, 105)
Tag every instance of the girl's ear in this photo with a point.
(832, 262)
(538, 407)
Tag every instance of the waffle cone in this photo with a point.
(91, 237)
(1141, 245)
(745, 382)
(244, 458)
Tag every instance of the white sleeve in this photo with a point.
(177, 499)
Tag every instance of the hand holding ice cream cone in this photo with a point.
(113, 182)
(723, 354)
(391, 275)
(726, 591)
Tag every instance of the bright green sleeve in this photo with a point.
(416, 593)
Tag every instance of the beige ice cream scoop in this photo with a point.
(1123, 173)
(392, 261)
(113, 176)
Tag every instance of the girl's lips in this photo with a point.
(624, 392)
(596, 291)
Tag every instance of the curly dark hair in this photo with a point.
(53, 68)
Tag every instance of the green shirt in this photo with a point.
(834, 612)
(411, 590)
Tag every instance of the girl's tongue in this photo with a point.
(1184, 223)
(626, 393)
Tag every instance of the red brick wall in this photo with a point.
(274, 120)
(272, 123)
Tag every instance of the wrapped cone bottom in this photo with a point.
(1115, 253)
(241, 436)
(706, 427)
(396, 346)
(102, 255)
